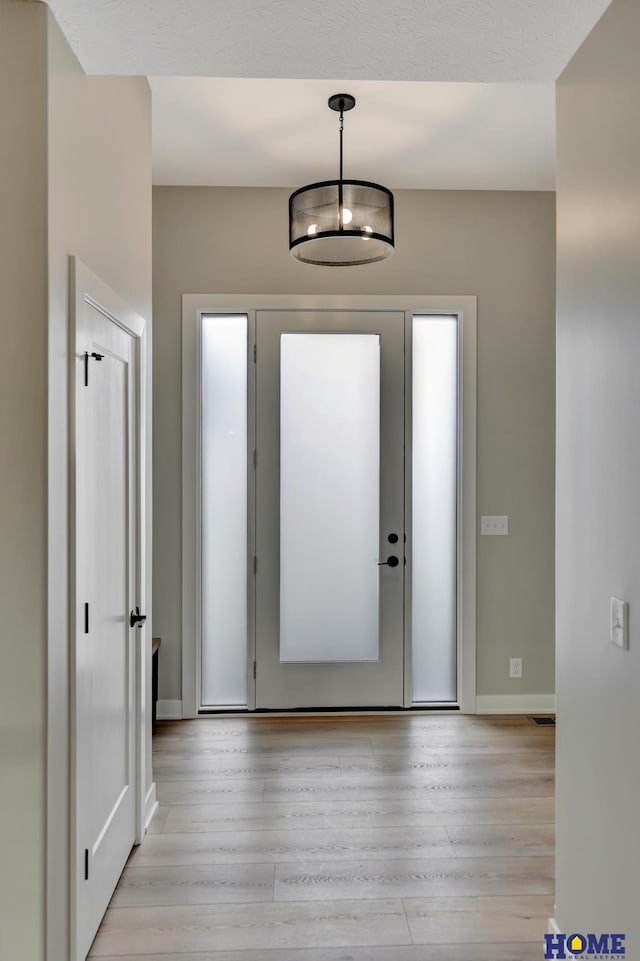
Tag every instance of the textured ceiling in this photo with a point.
(442, 40)
(281, 133)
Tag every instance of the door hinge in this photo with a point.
(255, 564)
(255, 353)
(87, 355)
(86, 864)
(86, 618)
(255, 458)
(254, 670)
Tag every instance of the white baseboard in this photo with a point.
(485, 704)
(150, 805)
(516, 704)
(169, 710)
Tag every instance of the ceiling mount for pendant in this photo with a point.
(341, 102)
(341, 223)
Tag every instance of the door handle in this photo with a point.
(391, 561)
(136, 619)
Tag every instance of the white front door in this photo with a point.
(329, 509)
(104, 722)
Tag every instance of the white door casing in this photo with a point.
(108, 655)
(465, 309)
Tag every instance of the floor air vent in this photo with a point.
(542, 721)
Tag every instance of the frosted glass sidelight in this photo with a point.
(434, 511)
(329, 497)
(224, 510)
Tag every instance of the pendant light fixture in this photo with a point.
(340, 223)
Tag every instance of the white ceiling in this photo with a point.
(451, 93)
(281, 133)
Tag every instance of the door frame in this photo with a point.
(87, 289)
(193, 307)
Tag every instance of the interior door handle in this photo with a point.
(390, 562)
(136, 619)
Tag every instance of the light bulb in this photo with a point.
(347, 216)
(313, 229)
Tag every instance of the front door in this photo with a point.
(329, 563)
(104, 723)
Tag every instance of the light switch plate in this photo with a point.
(494, 524)
(619, 623)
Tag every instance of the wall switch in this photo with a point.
(619, 623)
(494, 524)
(515, 667)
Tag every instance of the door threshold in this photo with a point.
(331, 711)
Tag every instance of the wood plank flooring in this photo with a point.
(379, 838)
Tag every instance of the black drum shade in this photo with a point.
(340, 223)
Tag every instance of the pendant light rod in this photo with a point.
(341, 102)
(341, 133)
(340, 189)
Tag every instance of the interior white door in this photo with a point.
(329, 509)
(105, 589)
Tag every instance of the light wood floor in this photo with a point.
(387, 838)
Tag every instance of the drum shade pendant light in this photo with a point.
(340, 223)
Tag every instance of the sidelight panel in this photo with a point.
(434, 510)
(224, 509)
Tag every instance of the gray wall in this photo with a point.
(99, 200)
(23, 476)
(598, 506)
(498, 246)
(75, 178)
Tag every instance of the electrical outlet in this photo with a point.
(515, 667)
